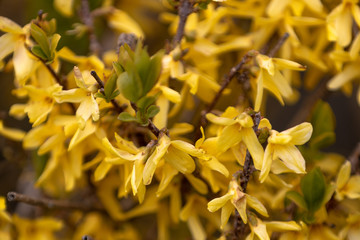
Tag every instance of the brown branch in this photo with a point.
(225, 83)
(278, 45)
(116, 105)
(240, 228)
(53, 204)
(185, 8)
(88, 20)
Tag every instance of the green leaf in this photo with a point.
(37, 51)
(39, 162)
(130, 85)
(144, 102)
(54, 42)
(152, 111)
(40, 37)
(110, 85)
(323, 122)
(297, 199)
(114, 94)
(118, 68)
(154, 71)
(99, 95)
(142, 119)
(313, 187)
(126, 117)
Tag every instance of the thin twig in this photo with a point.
(88, 20)
(245, 174)
(116, 105)
(186, 7)
(278, 45)
(225, 83)
(52, 204)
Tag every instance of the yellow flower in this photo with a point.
(282, 146)
(347, 186)
(351, 230)
(39, 229)
(176, 153)
(238, 130)
(14, 40)
(41, 103)
(84, 95)
(3, 214)
(271, 78)
(235, 198)
(340, 22)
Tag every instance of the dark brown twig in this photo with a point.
(117, 107)
(225, 83)
(52, 204)
(244, 175)
(151, 126)
(278, 45)
(88, 20)
(186, 7)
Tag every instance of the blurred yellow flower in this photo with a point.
(346, 185)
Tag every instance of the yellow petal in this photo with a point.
(256, 204)
(265, 123)
(344, 175)
(179, 160)
(196, 229)
(102, 170)
(198, 184)
(229, 137)
(254, 146)
(7, 44)
(11, 133)
(187, 148)
(278, 226)
(65, 7)
(24, 65)
(353, 187)
(300, 134)
(218, 203)
(122, 22)
(245, 120)
(276, 7)
(226, 211)
(343, 26)
(155, 158)
(240, 204)
(80, 135)
(291, 157)
(215, 165)
(260, 90)
(287, 64)
(168, 173)
(73, 95)
(266, 63)
(7, 25)
(171, 94)
(219, 120)
(266, 166)
(349, 73)
(119, 153)
(260, 230)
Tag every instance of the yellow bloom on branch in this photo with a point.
(281, 146)
(235, 198)
(272, 79)
(346, 185)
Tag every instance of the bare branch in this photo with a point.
(278, 45)
(186, 7)
(88, 20)
(53, 204)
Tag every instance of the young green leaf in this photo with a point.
(152, 111)
(40, 37)
(37, 51)
(313, 187)
(297, 199)
(110, 85)
(154, 71)
(126, 117)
